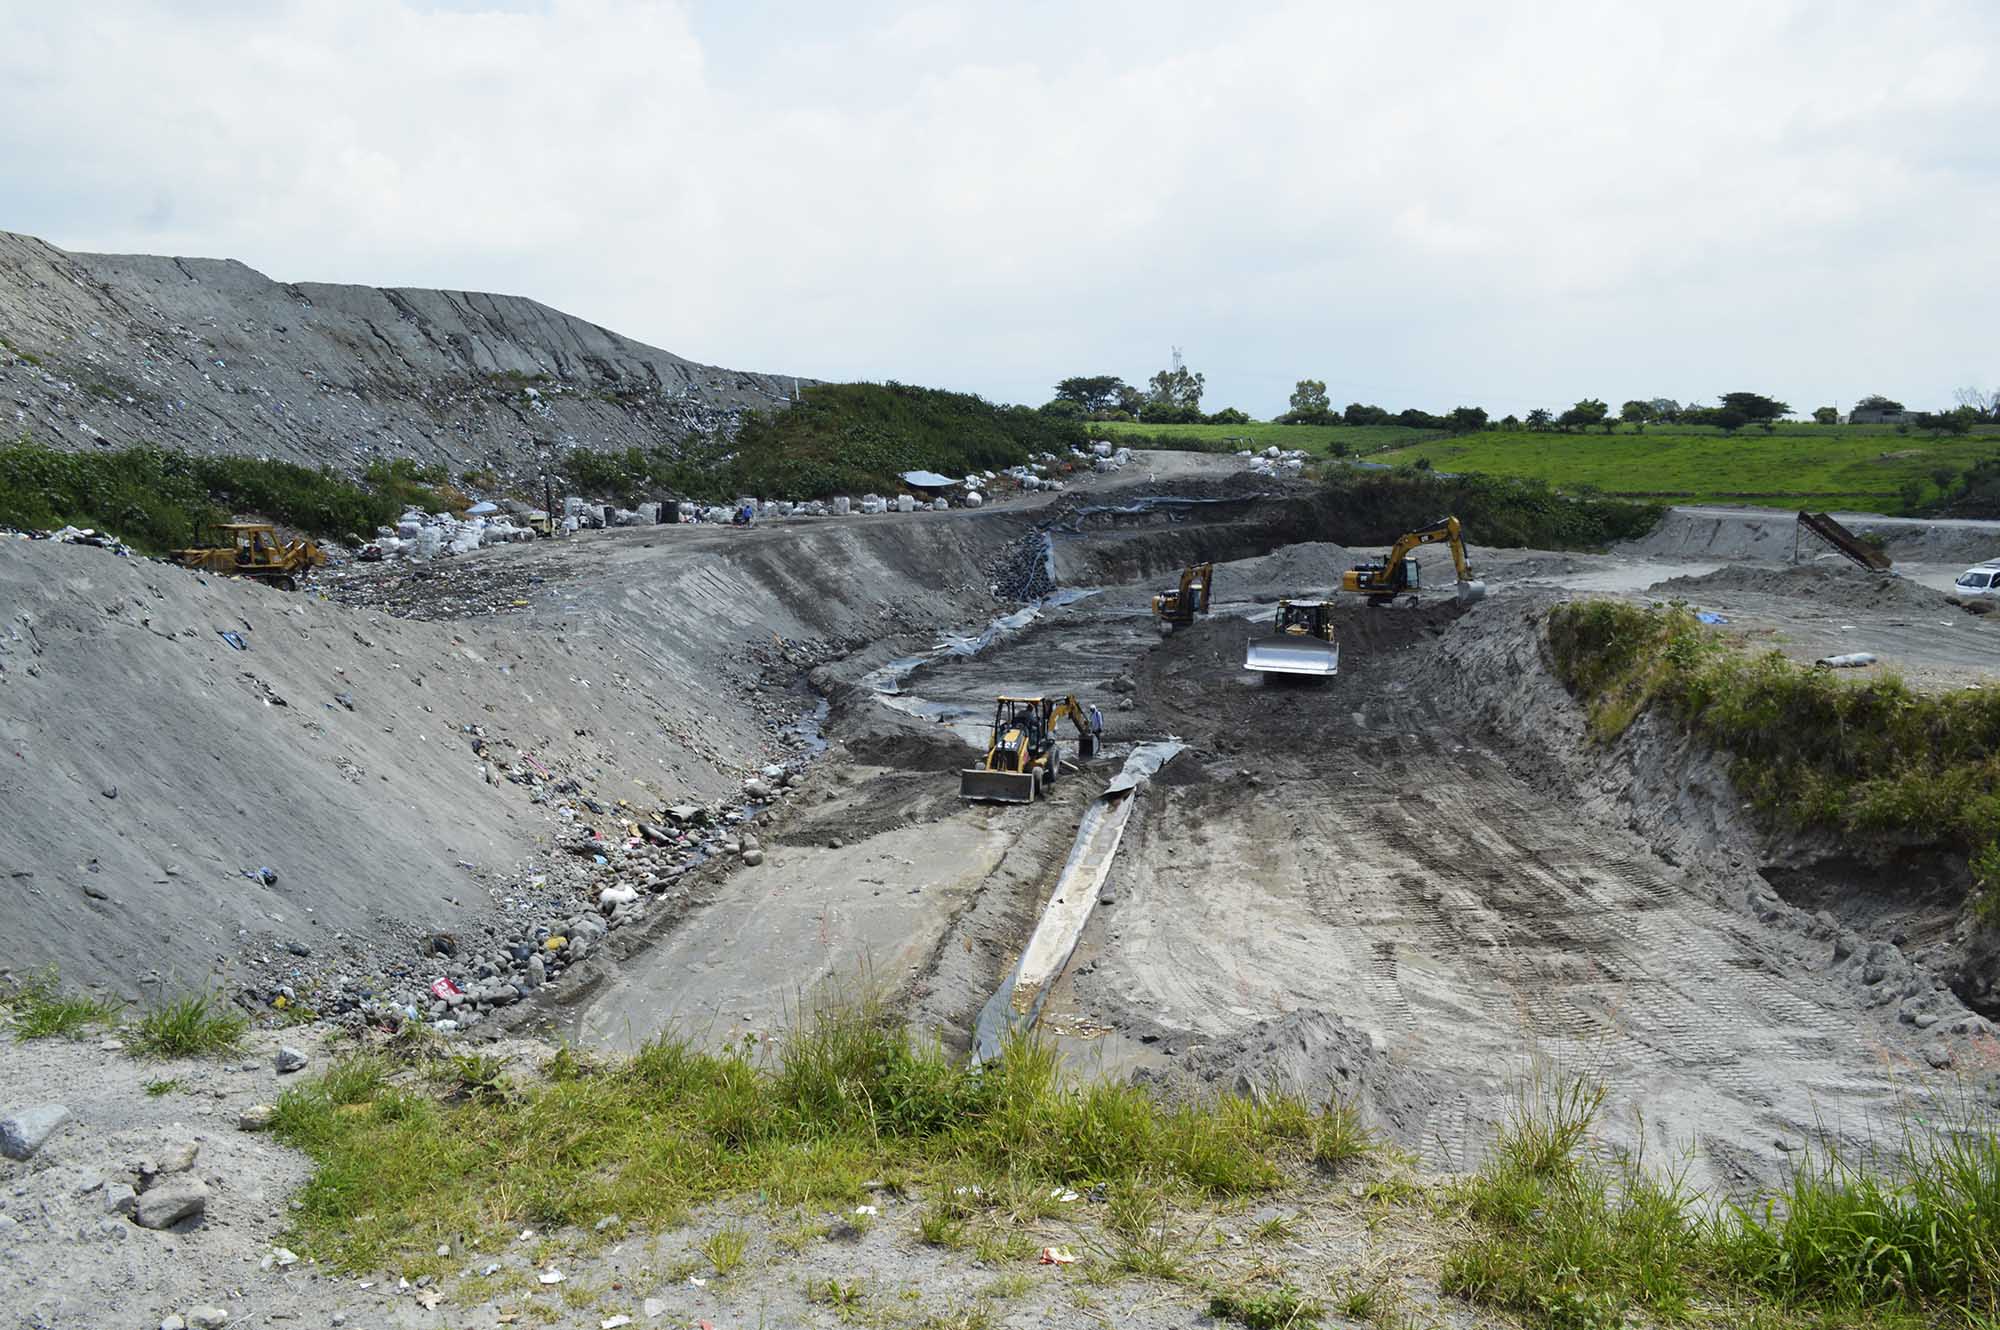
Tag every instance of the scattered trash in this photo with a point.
(613, 1322)
(1057, 1256)
(866, 1210)
(234, 639)
(552, 1276)
(1063, 1194)
(696, 1281)
(1852, 660)
(442, 989)
(1709, 616)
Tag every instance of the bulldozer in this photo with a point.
(1302, 642)
(1176, 606)
(1383, 581)
(1023, 756)
(252, 549)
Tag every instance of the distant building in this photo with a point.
(1878, 415)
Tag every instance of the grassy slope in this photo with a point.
(1317, 439)
(1861, 467)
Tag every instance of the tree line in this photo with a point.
(1173, 397)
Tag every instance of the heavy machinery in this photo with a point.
(1023, 756)
(1302, 642)
(252, 549)
(1397, 575)
(1176, 606)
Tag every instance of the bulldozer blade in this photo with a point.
(1001, 787)
(1292, 655)
(1471, 591)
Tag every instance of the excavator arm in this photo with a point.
(1086, 743)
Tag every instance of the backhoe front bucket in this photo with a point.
(1000, 787)
(1471, 591)
(1286, 654)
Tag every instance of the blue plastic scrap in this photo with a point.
(1709, 616)
(234, 639)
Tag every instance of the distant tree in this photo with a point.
(1065, 408)
(1583, 415)
(1912, 491)
(1510, 421)
(1539, 419)
(1665, 410)
(1768, 426)
(1466, 419)
(1635, 412)
(1357, 414)
(1944, 477)
(1228, 415)
(1309, 399)
(1755, 406)
(1131, 401)
(1179, 387)
(1413, 418)
(1944, 422)
(1608, 424)
(1092, 392)
(1877, 402)
(1826, 415)
(1982, 404)
(1728, 419)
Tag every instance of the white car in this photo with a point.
(1982, 579)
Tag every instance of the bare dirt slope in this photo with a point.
(211, 356)
(150, 764)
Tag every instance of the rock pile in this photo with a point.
(1022, 571)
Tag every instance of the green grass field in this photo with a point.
(1842, 466)
(1860, 467)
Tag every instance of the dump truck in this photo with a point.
(252, 549)
(1397, 575)
(1023, 756)
(1176, 606)
(1302, 642)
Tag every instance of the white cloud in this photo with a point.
(1420, 203)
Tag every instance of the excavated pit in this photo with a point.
(1415, 884)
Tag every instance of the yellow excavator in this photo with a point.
(1023, 757)
(1176, 606)
(1396, 576)
(253, 550)
(1302, 642)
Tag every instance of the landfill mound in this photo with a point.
(1311, 1055)
(1828, 584)
(211, 356)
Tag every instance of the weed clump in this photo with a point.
(41, 1010)
(194, 1025)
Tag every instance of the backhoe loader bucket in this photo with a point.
(1471, 591)
(1000, 787)
(1289, 654)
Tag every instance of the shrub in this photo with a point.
(194, 1025)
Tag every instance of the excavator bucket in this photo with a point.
(1289, 654)
(1471, 591)
(1000, 787)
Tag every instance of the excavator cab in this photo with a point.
(1176, 606)
(1302, 642)
(1023, 756)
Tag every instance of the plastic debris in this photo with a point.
(1057, 1256)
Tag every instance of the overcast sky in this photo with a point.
(1424, 204)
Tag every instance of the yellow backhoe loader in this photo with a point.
(1023, 757)
(1397, 575)
(1176, 606)
(252, 549)
(1302, 642)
